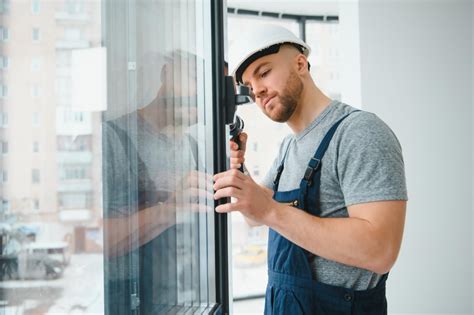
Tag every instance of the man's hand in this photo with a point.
(194, 192)
(253, 201)
(237, 155)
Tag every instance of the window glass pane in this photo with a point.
(324, 40)
(158, 162)
(249, 245)
(114, 212)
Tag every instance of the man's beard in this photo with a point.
(289, 99)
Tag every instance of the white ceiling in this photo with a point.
(303, 7)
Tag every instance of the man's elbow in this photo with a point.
(383, 263)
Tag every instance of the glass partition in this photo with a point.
(106, 157)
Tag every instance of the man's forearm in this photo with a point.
(351, 241)
(150, 222)
(254, 223)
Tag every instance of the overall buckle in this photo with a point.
(313, 166)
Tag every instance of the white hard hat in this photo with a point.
(260, 41)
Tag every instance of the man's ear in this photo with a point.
(301, 63)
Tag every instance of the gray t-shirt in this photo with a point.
(363, 163)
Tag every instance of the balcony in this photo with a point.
(75, 185)
(72, 44)
(74, 157)
(75, 215)
(72, 17)
(73, 123)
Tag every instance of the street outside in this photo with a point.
(79, 291)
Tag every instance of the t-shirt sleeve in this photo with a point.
(370, 164)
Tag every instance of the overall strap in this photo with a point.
(315, 162)
(276, 181)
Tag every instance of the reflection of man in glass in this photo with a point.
(150, 184)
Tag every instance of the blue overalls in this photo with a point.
(291, 289)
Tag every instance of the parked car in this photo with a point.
(41, 260)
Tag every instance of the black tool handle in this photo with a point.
(236, 139)
(235, 131)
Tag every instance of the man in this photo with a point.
(335, 197)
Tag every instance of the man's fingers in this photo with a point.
(228, 181)
(237, 154)
(237, 161)
(234, 146)
(243, 140)
(228, 192)
(232, 172)
(228, 207)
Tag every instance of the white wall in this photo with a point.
(350, 52)
(416, 74)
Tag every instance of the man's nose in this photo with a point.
(260, 91)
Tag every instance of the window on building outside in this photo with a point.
(35, 119)
(3, 90)
(3, 119)
(77, 200)
(35, 90)
(4, 147)
(35, 176)
(4, 34)
(4, 6)
(74, 6)
(74, 143)
(72, 34)
(256, 171)
(255, 146)
(5, 206)
(74, 172)
(4, 61)
(35, 34)
(35, 64)
(35, 6)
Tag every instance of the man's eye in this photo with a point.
(264, 73)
